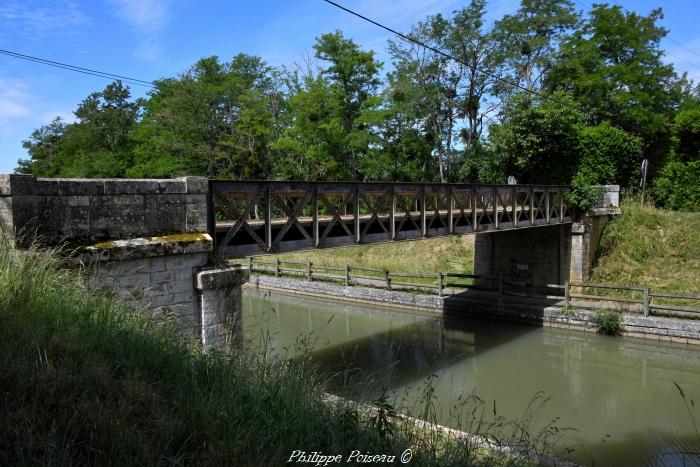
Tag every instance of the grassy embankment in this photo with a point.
(86, 381)
(652, 247)
(420, 257)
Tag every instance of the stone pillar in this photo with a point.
(221, 307)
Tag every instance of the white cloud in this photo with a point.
(142, 15)
(37, 20)
(14, 99)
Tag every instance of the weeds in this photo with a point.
(87, 381)
(609, 322)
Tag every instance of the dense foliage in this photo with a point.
(548, 94)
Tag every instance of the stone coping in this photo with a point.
(20, 184)
(220, 278)
(117, 250)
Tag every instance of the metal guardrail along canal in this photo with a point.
(630, 298)
(247, 217)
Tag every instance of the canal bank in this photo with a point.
(485, 305)
(618, 396)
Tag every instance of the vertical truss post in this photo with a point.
(356, 213)
(421, 203)
(532, 206)
(268, 218)
(475, 218)
(514, 203)
(314, 218)
(561, 205)
(546, 204)
(392, 213)
(450, 210)
(211, 213)
(495, 207)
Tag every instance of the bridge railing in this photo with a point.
(635, 299)
(247, 217)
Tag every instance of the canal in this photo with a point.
(616, 394)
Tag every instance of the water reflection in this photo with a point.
(618, 393)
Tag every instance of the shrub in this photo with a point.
(677, 186)
(609, 322)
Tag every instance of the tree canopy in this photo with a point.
(548, 94)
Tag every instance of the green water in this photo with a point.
(617, 393)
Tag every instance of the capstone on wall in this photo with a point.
(155, 274)
(85, 211)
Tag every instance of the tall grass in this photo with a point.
(84, 380)
(652, 247)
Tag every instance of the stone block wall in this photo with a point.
(154, 274)
(85, 211)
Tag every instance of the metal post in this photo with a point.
(250, 264)
(268, 219)
(646, 302)
(567, 295)
(347, 274)
(440, 284)
(450, 210)
(277, 267)
(392, 213)
(308, 271)
(356, 214)
(386, 278)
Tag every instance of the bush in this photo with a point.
(609, 322)
(677, 186)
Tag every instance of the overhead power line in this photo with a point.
(452, 57)
(77, 69)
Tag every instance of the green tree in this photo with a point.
(332, 114)
(43, 147)
(217, 119)
(613, 67)
(446, 100)
(677, 185)
(538, 140)
(96, 145)
(530, 40)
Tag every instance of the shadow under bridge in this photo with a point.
(250, 217)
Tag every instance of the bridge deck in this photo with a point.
(252, 217)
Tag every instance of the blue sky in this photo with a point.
(151, 39)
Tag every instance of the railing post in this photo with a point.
(387, 279)
(440, 284)
(347, 274)
(308, 271)
(532, 206)
(277, 267)
(646, 302)
(250, 263)
(546, 205)
(567, 295)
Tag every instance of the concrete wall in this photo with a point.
(83, 211)
(156, 275)
(531, 255)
